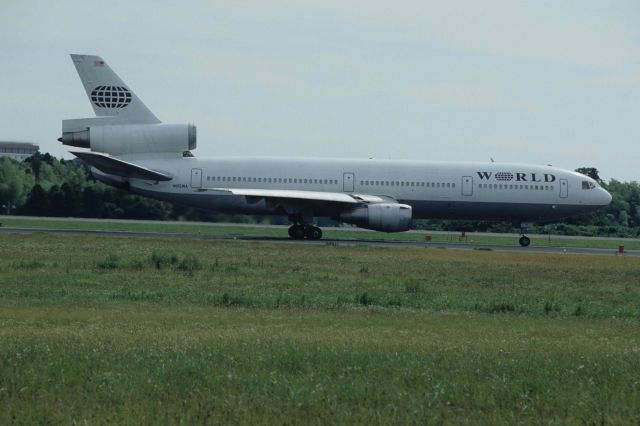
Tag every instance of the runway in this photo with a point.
(333, 242)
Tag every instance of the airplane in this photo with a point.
(130, 148)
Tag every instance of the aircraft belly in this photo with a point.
(470, 210)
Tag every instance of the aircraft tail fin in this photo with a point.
(108, 94)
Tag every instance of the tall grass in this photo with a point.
(124, 330)
(137, 363)
(37, 267)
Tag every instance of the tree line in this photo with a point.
(43, 185)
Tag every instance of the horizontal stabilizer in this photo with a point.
(114, 166)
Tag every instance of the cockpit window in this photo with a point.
(588, 185)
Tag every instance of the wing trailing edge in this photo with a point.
(292, 194)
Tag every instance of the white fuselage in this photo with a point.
(479, 191)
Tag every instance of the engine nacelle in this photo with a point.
(386, 217)
(134, 138)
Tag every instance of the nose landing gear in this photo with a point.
(524, 241)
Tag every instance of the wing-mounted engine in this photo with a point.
(386, 217)
(125, 139)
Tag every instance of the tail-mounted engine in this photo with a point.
(122, 139)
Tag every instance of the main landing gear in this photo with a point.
(524, 241)
(300, 232)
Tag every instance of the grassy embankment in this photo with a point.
(147, 330)
(329, 234)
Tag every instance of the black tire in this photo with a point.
(524, 241)
(313, 233)
(298, 232)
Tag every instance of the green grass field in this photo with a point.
(178, 330)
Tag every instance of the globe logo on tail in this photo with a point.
(111, 96)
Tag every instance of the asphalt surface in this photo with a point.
(334, 242)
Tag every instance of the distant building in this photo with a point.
(18, 150)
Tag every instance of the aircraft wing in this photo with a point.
(291, 194)
(114, 166)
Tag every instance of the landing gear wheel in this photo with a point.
(524, 241)
(296, 232)
(313, 233)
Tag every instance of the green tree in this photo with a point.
(37, 203)
(15, 183)
(592, 172)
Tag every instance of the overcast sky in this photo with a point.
(545, 82)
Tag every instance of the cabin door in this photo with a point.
(347, 182)
(564, 188)
(467, 185)
(196, 178)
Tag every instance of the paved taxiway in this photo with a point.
(335, 242)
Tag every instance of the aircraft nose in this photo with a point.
(605, 197)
